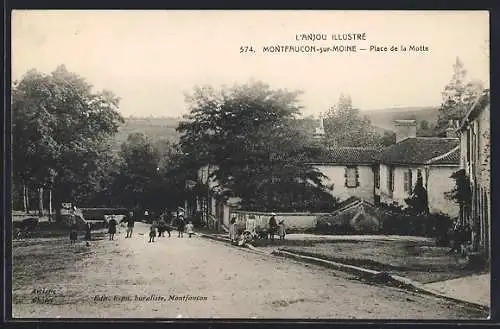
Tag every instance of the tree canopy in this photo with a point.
(247, 132)
(458, 95)
(61, 129)
(345, 126)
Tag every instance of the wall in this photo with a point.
(484, 179)
(336, 176)
(399, 194)
(479, 171)
(439, 183)
(293, 221)
(484, 149)
(383, 191)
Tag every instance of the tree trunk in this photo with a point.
(40, 201)
(50, 204)
(25, 198)
(57, 205)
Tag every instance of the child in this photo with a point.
(281, 230)
(189, 228)
(152, 232)
(112, 228)
(73, 233)
(272, 226)
(88, 234)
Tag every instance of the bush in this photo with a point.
(396, 221)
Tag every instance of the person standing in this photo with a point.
(129, 219)
(282, 230)
(273, 226)
(112, 228)
(156, 224)
(152, 232)
(88, 233)
(189, 228)
(73, 232)
(180, 226)
(163, 226)
(232, 229)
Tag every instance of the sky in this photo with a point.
(152, 58)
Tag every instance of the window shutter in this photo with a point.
(405, 181)
(389, 173)
(351, 177)
(410, 181)
(391, 179)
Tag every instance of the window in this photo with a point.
(390, 179)
(407, 181)
(351, 177)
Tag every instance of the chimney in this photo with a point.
(405, 129)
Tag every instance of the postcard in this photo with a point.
(250, 164)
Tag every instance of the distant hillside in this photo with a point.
(154, 128)
(383, 118)
(158, 128)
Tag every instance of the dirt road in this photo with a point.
(200, 278)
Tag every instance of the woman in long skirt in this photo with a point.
(232, 229)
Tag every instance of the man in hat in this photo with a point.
(273, 226)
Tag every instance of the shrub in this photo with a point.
(400, 222)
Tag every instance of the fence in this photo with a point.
(294, 222)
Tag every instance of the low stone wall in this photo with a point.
(294, 222)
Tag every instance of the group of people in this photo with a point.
(250, 225)
(157, 228)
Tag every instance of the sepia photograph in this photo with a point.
(250, 164)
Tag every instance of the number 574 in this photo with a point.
(246, 49)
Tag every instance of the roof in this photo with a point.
(421, 150)
(481, 102)
(348, 156)
(452, 157)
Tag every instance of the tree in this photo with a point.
(146, 177)
(60, 132)
(462, 192)
(345, 126)
(424, 125)
(418, 202)
(247, 132)
(458, 96)
(427, 129)
(388, 139)
(138, 171)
